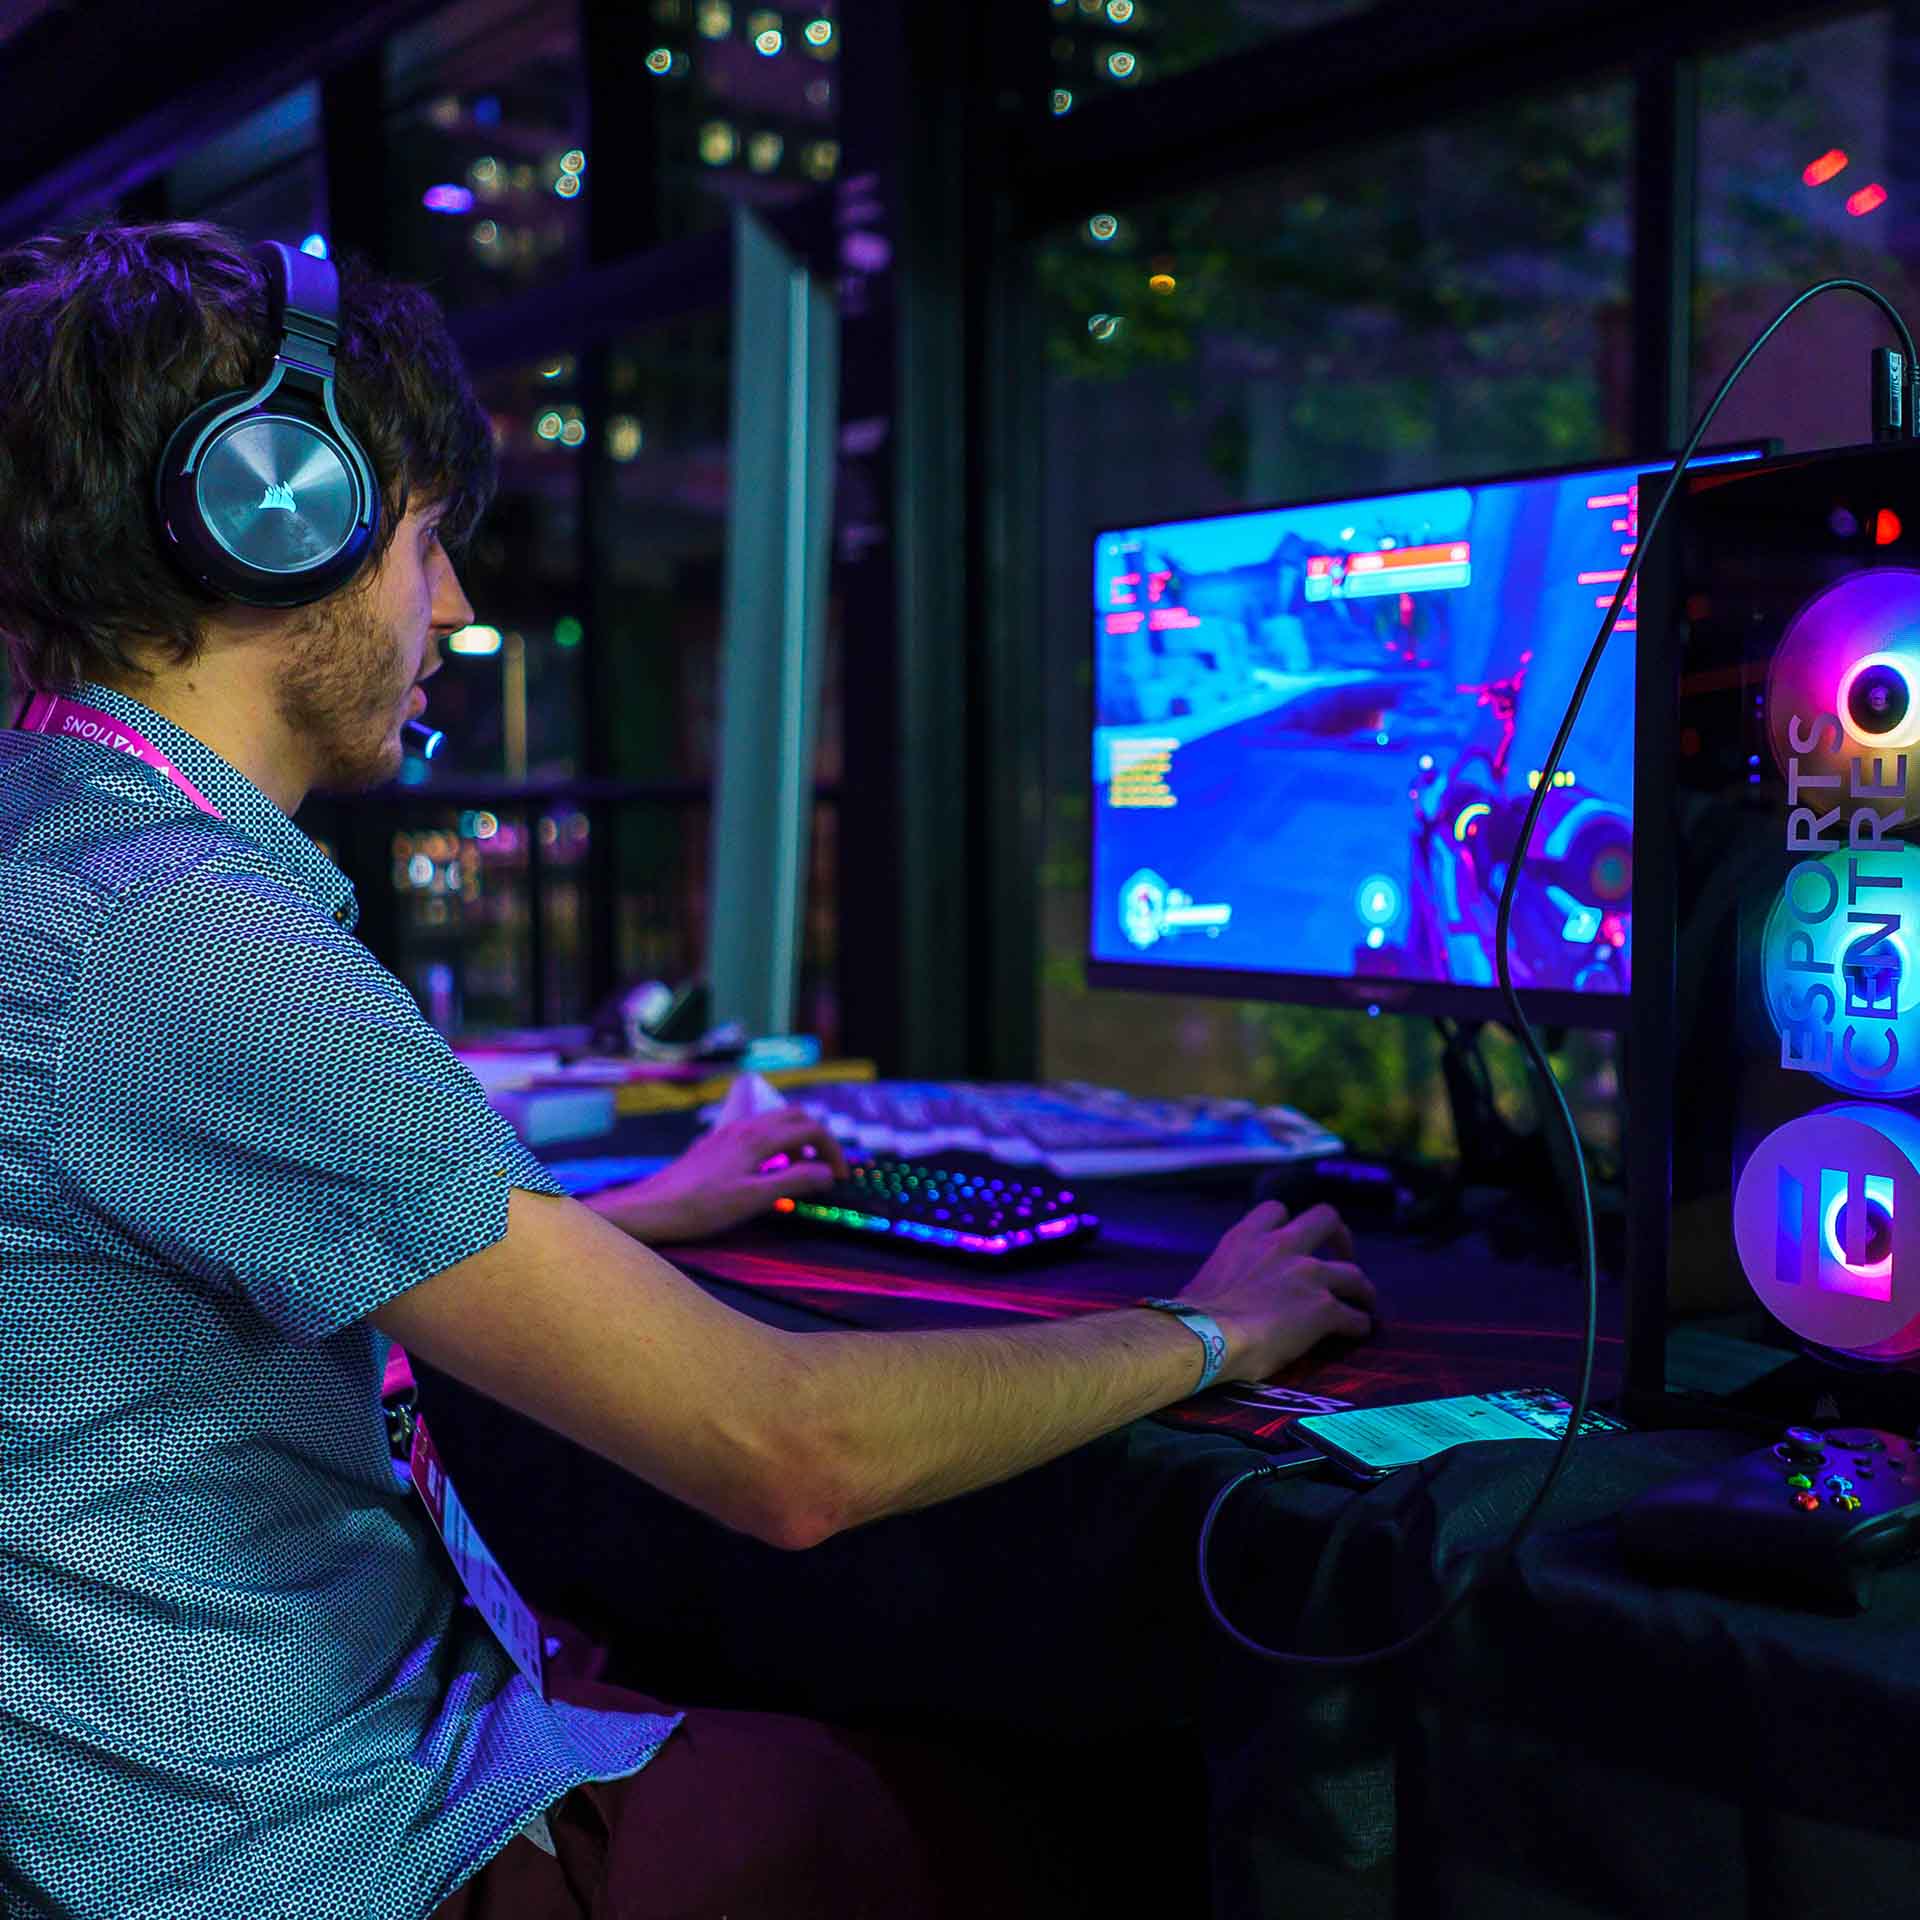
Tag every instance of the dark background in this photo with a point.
(1405, 244)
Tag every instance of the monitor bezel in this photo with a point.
(1373, 994)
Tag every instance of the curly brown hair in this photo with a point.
(109, 337)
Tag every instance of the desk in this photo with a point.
(1461, 1318)
(1061, 1609)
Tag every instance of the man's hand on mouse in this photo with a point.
(1277, 1285)
(726, 1177)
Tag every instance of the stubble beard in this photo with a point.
(341, 694)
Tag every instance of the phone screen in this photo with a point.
(1378, 1439)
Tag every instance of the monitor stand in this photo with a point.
(1518, 1187)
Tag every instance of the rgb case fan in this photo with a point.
(1774, 1063)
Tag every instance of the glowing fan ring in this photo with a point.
(1870, 617)
(1908, 667)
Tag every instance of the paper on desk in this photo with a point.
(749, 1095)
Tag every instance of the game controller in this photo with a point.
(1808, 1519)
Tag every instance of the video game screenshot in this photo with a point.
(1317, 729)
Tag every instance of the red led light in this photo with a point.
(783, 1205)
(1886, 527)
(1872, 195)
(1816, 173)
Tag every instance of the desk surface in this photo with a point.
(1457, 1316)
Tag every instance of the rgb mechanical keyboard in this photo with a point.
(982, 1210)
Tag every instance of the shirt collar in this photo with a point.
(241, 803)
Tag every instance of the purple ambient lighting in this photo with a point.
(447, 198)
(1871, 617)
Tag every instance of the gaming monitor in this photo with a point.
(1317, 727)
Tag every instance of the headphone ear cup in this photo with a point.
(272, 512)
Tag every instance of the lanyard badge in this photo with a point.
(514, 1623)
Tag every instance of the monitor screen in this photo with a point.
(1317, 728)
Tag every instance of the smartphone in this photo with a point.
(1263, 1416)
(1368, 1443)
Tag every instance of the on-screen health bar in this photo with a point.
(1359, 576)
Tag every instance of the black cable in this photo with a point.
(1497, 1560)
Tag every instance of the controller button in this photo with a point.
(1798, 1481)
(1856, 1439)
(1863, 1470)
(1850, 1501)
(1802, 1441)
(1839, 1483)
(1807, 1502)
(1800, 1456)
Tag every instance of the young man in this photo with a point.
(235, 1163)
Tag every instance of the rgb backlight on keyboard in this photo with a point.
(988, 1212)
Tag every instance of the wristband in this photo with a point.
(1204, 1328)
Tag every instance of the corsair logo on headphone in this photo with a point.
(278, 494)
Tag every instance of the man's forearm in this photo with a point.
(636, 1209)
(902, 1420)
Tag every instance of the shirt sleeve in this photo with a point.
(249, 1095)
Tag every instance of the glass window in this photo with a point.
(1443, 304)
(511, 697)
(461, 880)
(746, 106)
(565, 835)
(1803, 174)
(1100, 46)
(662, 600)
(508, 696)
(486, 120)
(263, 177)
(666, 440)
(462, 904)
(660, 891)
(661, 925)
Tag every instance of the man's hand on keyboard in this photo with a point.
(727, 1177)
(1277, 1285)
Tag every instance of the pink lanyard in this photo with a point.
(54, 713)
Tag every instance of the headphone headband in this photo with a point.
(303, 296)
(264, 496)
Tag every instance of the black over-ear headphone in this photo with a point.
(264, 496)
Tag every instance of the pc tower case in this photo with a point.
(1773, 1065)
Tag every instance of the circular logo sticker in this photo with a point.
(1824, 1220)
(1840, 959)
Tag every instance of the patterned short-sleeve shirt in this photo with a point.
(235, 1676)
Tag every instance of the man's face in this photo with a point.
(353, 677)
